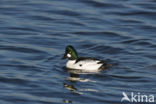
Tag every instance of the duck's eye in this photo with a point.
(70, 52)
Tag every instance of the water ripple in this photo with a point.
(33, 37)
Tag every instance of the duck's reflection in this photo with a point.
(70, 87)
(74, 78)
(67, 101)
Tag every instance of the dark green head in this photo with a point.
(70, 53)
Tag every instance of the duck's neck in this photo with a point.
(73, 57)
(70, 62)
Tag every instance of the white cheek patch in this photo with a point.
(68, 55)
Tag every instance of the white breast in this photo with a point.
(88, 65)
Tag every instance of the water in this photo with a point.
(34, 34)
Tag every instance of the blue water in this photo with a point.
(34, 34)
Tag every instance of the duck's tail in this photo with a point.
(105, 66)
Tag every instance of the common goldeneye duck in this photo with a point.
(82, 63)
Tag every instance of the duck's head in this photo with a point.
(70, 53)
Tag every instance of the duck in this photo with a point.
(82, 63)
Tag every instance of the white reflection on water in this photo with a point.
(79, 79)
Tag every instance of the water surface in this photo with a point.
(34, 34)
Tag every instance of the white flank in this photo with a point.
(87, 65)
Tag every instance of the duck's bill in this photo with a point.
(64, 57)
